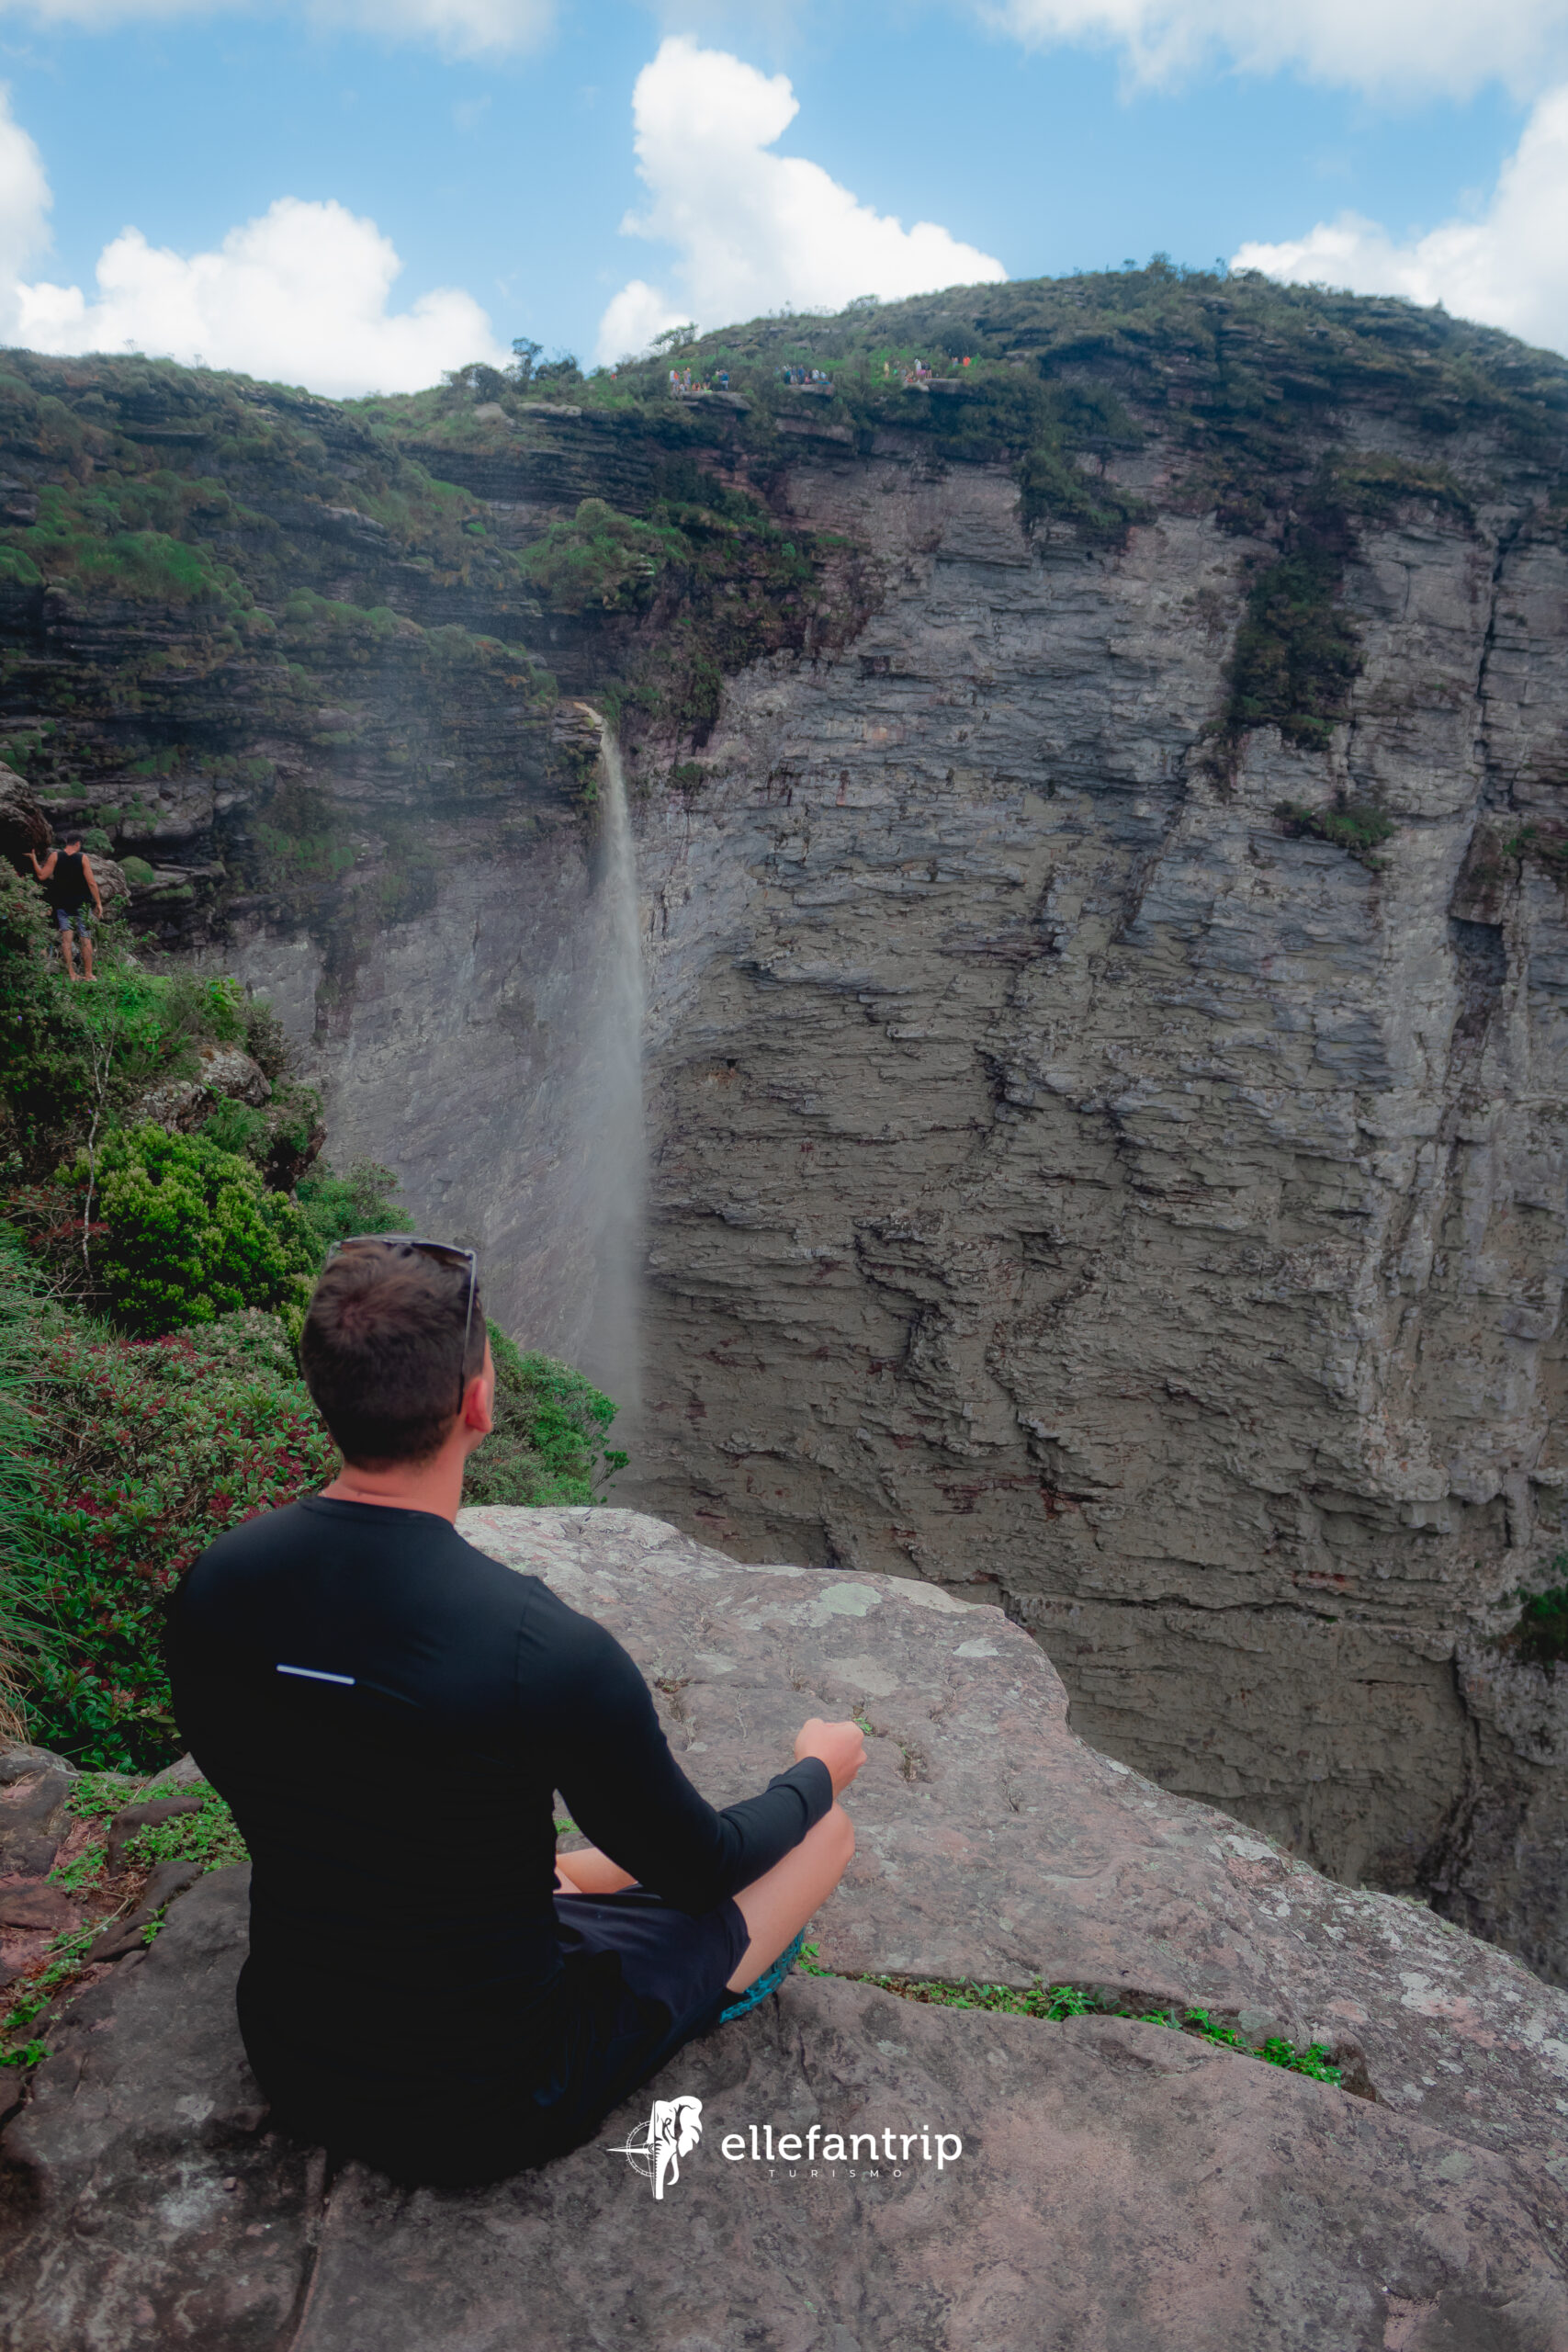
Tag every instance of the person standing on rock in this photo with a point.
(70, 884)
(389, 1713)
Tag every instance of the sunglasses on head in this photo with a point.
(446, 1253)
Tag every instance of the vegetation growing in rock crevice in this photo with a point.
(1055, 2002)
(1359, 827)
(206, 1837)
(705, 583)
(1540, 1635)
(1543, 842)
(1296, 653)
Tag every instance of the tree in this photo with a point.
(191, 1232)
(477, 380)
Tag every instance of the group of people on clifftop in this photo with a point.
(681, 382)
(71, 887)
(917, 372)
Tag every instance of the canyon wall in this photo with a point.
(1070, 1186)
(1106, 1146)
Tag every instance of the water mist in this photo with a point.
(612, 1109)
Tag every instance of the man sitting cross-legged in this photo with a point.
(389, 1712)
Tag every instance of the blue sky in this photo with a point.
(494, 151)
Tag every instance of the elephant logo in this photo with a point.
(654, 2149)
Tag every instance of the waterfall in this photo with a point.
(613, 1122)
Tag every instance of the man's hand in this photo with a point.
(841, 1747)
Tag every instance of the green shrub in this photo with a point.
(136, 871)
(141, 1452)
(44, 1072)
(189, 1232)
(1541, 1636)
(237, 1128)
(67, 1052)
(548, 1447)
(266, 1040)
(364, 1201)
(601, 559)
(282, 1141)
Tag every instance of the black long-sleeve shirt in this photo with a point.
(388, 1712)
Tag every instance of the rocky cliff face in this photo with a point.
(1105, 1059)
(1070, 1185)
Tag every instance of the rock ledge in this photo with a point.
(1119, 2187)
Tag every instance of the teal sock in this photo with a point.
(769, 1982)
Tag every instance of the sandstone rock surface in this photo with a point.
(1120, 2187)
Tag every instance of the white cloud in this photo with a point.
(755, 232)
(1507, 268)
(1386, 46)
(298, 296)
(463, 27)
(25, 201)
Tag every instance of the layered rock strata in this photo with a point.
(1119, 2185)
(1069, 1185)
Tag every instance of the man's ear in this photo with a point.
(479, 1398)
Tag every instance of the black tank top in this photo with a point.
(68, 884)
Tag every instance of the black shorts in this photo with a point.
(673, 1971)
(640, 1980)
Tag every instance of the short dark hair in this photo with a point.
(382, 1352)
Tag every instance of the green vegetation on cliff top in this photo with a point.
(257, 566)
(1244, 383)
(1243, 374)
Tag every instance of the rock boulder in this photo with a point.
(23, 825)
(1120, 2188)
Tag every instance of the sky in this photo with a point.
(355, 195)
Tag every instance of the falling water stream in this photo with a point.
(614, 1157)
